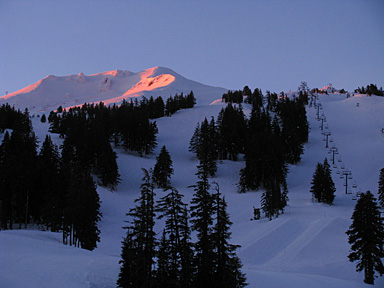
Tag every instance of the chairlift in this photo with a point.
(354, 197)
(350, 177)
(354, 186)
(342, 166)
(331, 139)
(326, 127)
(338, 171)
(334, 166)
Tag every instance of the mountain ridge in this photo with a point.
(110, 87)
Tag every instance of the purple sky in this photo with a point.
(268, 44)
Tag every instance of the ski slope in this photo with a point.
(305, 247)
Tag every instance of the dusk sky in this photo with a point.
(273, 45)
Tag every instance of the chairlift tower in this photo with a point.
(323, 119)
(334, 151)
(326, 134)
(318, 111)
(347, 175)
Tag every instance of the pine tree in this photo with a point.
(328, 194)
(317, 182)
(366, 236)
(177, 238)
(227, 264)
(163, 273)
(202, 221)
(204, 144)
(274, 199)
(49, 169)
(82, 210)
(231, 132)
(163, 170)
(129, 273)
(381, 188)
(323, 188)
(88, 214)
(140, 239)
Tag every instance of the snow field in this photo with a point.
(305, 247)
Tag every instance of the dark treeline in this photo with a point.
(370, 89)
(173, 260)
(177, 102)
(13, 119)
(56, 190)
(44, 187)
(271, 138)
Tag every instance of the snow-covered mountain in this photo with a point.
(110, 87)
(305, 247)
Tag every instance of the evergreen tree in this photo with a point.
(317, 183)
(164, 274)
(49, 178)
(204, 144)
(274, 199)
(163, 170)
(328, 194)
(381, 188)
(43, 118)
(227, 264)
(323, 188)
(366, 236)
(82, 210)
(175, 246)
(18, 185)
(136, 270)
(231, 132)
(202, 221)
(129, 271)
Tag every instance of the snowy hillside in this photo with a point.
(110, 87)
(305, 247)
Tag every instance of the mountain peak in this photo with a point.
(109, 87)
